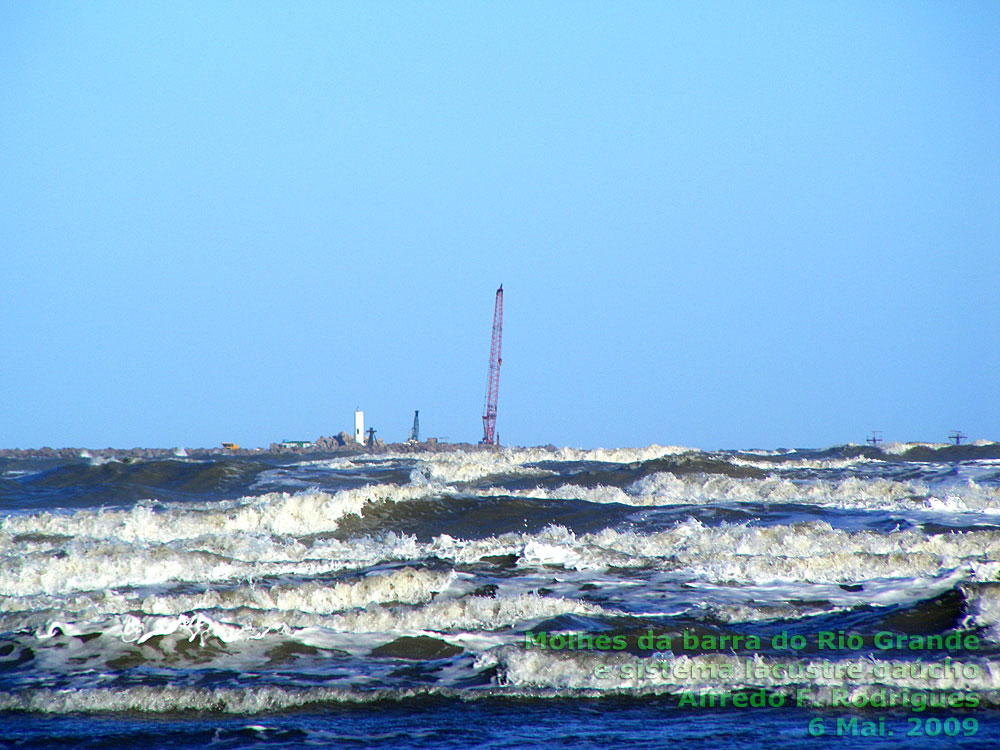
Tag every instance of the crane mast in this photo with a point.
(493, 381)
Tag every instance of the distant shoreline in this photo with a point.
(342, 446)
(319, 448)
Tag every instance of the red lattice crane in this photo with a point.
(493, 382)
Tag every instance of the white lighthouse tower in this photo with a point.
(359, 427)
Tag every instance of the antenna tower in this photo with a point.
(415, 431)
(957, 436)
(493, 381)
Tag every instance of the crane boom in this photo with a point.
(493, 381)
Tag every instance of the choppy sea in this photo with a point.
(646, 597)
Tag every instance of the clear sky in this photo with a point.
(730, 224)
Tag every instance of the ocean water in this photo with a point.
(645, 597)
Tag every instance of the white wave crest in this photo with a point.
(668, 673)
(852, 492)
(474, 612)
(277, 513)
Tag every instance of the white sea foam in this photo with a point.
(801, 463)
(622, 455)
(468, 618)
(599, 494)
(808, 552)
(460, 466)
(90, 566)
(169, 699)
(897, 448)
(469, 466)
(805, 552)
(132, 629)
(666, 672)
(474, 612)
(852, 492)
(909, 498)
(260, 699)
(88, 561)
(984, 608)
(244, 585)
(284, 514)
(406, 586)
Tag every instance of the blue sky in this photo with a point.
(717, 224)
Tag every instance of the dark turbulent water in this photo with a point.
(638, 597)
